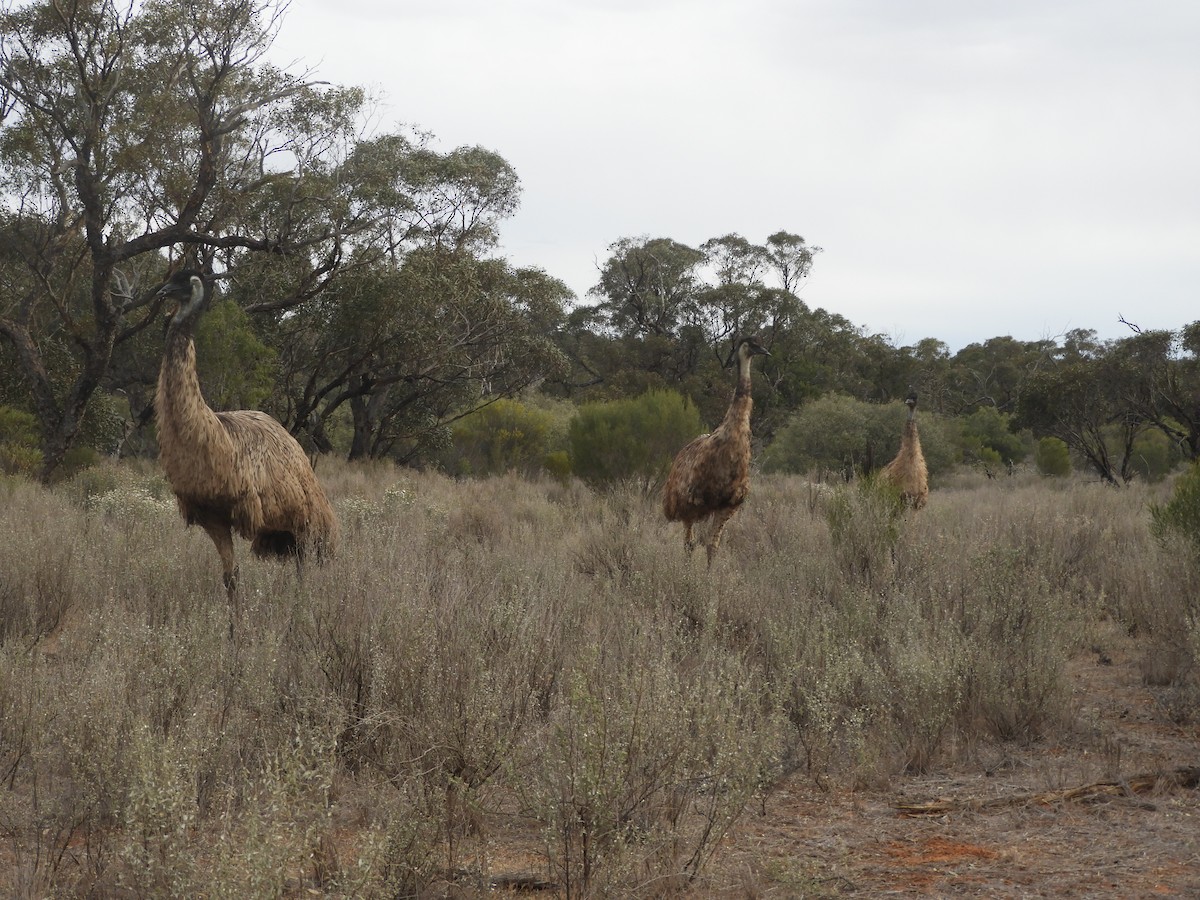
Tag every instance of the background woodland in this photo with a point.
(362, 303)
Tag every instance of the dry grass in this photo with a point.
(502, 663)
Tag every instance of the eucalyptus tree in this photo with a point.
(138, 129)
(1165, 385)
(1083, 401)
(421, 325)
(791, 259)
(404, 351)
(646, 286)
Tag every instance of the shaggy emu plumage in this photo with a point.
(238, 470)
(908, 471)
(711, 475)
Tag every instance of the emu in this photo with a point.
(711, 475)
(908, 471)
(233, 471)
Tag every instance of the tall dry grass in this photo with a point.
(502, 651)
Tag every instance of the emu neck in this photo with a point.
(738, 414)
(182, 412)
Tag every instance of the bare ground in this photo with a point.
(1011, 823)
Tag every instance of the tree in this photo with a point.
(407, 350)
(1080, 402)
(1164, 388)
(131, 129)
(993, 373)
(791, 258)
(646, 286)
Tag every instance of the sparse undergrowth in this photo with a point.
(514, 652)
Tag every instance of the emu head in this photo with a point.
(189, 290)
(743, 349)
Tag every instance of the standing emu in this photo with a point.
(907, 471)
(711, 475)
(233, 470)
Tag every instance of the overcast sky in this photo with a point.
(971, 169)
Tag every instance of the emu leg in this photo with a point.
(714, 541)
(222, 537)
(689, 540)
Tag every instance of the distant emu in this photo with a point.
(237, 470)
(711, 475)
(908, 471)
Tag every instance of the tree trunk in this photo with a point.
(360, 414)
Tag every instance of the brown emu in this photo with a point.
(908, 471)
(237, 470)
(711, 475)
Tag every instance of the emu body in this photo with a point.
(233, 471)
(908, 471)
(711, 475)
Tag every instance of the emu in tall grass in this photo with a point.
(908, 471)
(711, 475)
(233, 471)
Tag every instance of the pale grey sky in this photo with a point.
(971, 169)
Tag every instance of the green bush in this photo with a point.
(505, 436)
(634, 439)
(1180, 516)
(837, 433)
(1052, 457)
(1153, 455)
(986, 435)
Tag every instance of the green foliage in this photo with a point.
(505, 436)
(19, 452)
(1154, 455)
(986, 435)
(830, 433)
(237, 370)
(1180, 516)
(635, 439)
(840, 434)
(558, 464)
(1052, 457)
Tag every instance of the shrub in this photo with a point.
(839, 433)
(1052, 457)
(986, 435)
(236, 368)
(633, 439)
(1153, 455)
(505, 436)
(1180, 516)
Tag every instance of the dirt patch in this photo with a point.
(1018, 821)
